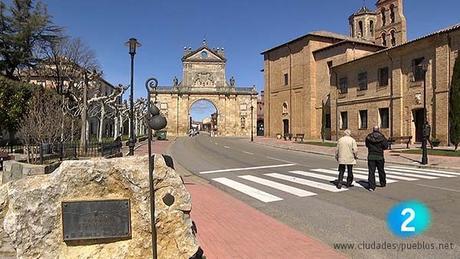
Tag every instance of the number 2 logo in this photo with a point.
(404, 227)
(408, 219)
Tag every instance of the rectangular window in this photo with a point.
(383, 76)
(363, 119)
(286, 79)
(344, 120)
(384, 118)
(328, 121)
(343, 85)
(417, 69)
(362, 81)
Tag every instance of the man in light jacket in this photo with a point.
(346, 154)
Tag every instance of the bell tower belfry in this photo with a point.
(362, 24)
(391, 27)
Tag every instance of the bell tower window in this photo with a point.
(384, 18)
(393, 38)
(392, 13)
(384, 39)
(361, 29)
(371, 28)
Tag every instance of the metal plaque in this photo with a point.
(100, 219)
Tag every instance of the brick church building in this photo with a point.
(323, 83)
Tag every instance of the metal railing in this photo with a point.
(45, 152)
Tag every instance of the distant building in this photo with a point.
(42, 76)
(323, 83)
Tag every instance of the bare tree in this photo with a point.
(99, 107)
(39, 124)
(74, 70)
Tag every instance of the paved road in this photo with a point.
(296, 188)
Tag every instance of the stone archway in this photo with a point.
(233, 110)
(212, 116)
(204, 79)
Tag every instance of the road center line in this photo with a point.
(281, 160)
(249, 153)
(226, 147)
(245, 168)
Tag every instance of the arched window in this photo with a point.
(371, 28)
(285, 108)
(361, 28)
(384, 39)
(384, 18)
(392, 13)
(393, 38)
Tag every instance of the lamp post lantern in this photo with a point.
(426, 128)
(132, 45)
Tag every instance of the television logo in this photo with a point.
(409, 219)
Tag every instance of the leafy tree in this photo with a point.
(13, 97)
(454, 106)
(25, 31)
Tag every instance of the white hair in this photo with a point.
(347, 132)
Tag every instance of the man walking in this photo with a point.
(346, 154)
(376, 143)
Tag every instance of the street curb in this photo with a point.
(361, 159)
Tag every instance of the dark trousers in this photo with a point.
(379, 164)
(349, 174)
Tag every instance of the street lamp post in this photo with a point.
(426, 127)
(132, 44)
(252, 121)
(155, 121)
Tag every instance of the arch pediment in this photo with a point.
(203, 54)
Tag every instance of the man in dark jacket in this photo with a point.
(376, 143)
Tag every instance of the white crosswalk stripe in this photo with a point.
(419, 173)
(391, 176)
(246, 189)
(302, 181)
(278, 186)
(355, 175)
(391, 173)
(318, 178)
(424, 171)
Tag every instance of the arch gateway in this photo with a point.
(204, 78)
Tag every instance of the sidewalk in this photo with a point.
(441, 162)
(228, 228)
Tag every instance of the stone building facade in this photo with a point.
(204, 78)
(303, 78)
(386, 88)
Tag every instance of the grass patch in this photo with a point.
(434, 152)
(323, 144)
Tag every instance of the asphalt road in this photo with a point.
(295, 188)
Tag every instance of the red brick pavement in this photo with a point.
(228, 228)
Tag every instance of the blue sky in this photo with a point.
(243, 28)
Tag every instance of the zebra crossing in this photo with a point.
(311, 182)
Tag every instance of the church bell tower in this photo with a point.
(391, 27)
(362, 24)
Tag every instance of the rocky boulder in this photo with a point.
(31, 216)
